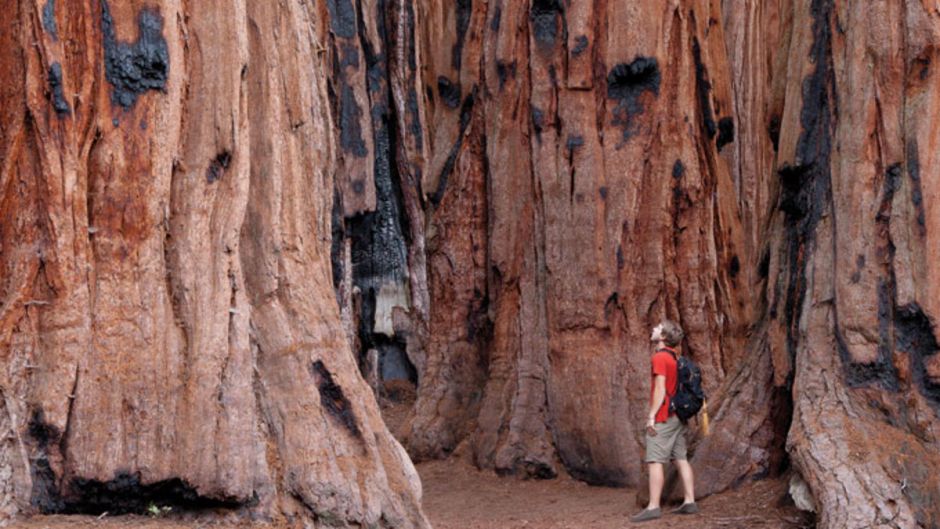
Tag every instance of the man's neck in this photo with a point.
(660, 345)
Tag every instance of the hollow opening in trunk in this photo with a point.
(127, 494)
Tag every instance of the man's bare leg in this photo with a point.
(656, 485)
(688, 482)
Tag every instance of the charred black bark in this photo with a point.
(333, 399)
(626, 83)
(135, 68)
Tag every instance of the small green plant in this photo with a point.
(156, 511)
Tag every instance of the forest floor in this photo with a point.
(459, 496)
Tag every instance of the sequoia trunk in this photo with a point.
(757, 170)
(169, 331)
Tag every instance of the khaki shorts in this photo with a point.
(668, 443)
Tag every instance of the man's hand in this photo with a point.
(651, 427)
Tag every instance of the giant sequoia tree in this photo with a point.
(508, 195)
(168, 327)
(758, 170)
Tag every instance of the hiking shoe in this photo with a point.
(687, 508)
(646, 515)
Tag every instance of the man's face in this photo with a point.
(657, 333)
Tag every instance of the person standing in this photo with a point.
(665, 433)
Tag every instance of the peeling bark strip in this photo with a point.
(134, 68)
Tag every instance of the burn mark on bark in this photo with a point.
(545, 16)
(703, 91)
(333, 399)
(410, 36)
(734, 267)
(466, 111)
(922, 64)
(505, 71)
(45, 492)
(348, 56)
(337, 232)
(725, 132)
(678, 169)
(538, 121)
(763, 267)
(479, 324)
(881, 372)
(497, 18)
(580, 44)
(342, 18)
(378, 241)
(913, 170)
(626, 84)
(620, 260)
(127, 494)
(464, 9)
(350, 133)
(914, 334)
(41, 432)
(574, 141)
(56, 92)
(48, 19)
(414, 117)
(218, 166)
(806, 186)
(891, 185)
(773, 130)
(448, 92)
(134, 68)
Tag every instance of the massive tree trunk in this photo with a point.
(608, 204)
(597, 166)
(848, 332)
(517, 192)
(168, 327)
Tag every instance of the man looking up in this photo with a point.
(665, 433)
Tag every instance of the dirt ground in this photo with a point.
(459, 496)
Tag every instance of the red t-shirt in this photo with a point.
(664, 364)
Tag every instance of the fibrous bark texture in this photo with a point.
(759, 171)
(169, 332)
(516, 192)
(580, 152)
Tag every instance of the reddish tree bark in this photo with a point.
(169, 331)
(603, 167)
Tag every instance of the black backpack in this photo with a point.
(689, 396)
